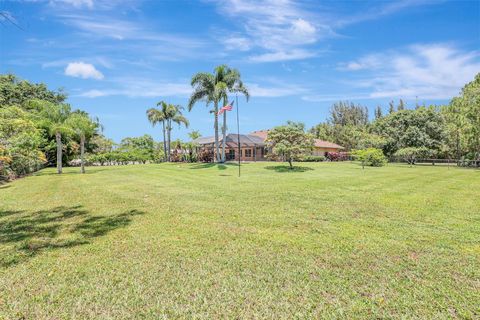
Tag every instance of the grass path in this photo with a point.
(196, 241)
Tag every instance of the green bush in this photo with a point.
(370, 157)
(313, 159)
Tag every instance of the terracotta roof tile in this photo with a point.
(327, 144)
(318, 143)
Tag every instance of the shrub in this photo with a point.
(370, 157)
(205, 156)
(313, 159)
(336, 156)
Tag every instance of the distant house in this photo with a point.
(254, 148)
(320, 147)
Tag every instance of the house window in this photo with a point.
(248, 153)
(231, 154)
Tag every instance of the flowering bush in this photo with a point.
(205, 156)
(337, 156)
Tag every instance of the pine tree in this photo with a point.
(391, 109)
(378, 112)
(401, 105)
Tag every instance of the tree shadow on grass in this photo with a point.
(25, 234)
(220, 166)
(76, 171)
(284, 168)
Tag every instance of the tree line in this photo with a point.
(449, 131)
(38, 128)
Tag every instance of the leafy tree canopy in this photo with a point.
(290, 141)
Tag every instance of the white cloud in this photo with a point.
(386, 8)
(433, 71)
(335, 97)
(75, 3)
(285, 29)
(237, 43)
(275, 89)
(295, 54)
(368, 62)
(303, 30)
(83, 70)
(141, 87)
(279, 27)
(148, 87)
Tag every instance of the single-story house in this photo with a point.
(320, 147)
(253, 146)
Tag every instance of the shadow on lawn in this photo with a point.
(220, 166)
(25, 234)
(288, 169)
(88, 170)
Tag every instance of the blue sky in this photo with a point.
(117, 58)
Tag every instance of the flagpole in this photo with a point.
(238, 136)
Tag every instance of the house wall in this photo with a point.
(317, 151)
(257, 154)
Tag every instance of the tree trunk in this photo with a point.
(164, 143)
(169, 130)
(290, 163)
(224, 130)
(58, 138)
(217, 153)
(82, 153)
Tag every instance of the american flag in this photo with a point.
(228, 107)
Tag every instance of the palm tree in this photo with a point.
(84, 128)
(167, 114)
(204, 90)
(192, 144)
(159, 116)
(232, 83)
(214, 88)
(55, 121)
(174, 114)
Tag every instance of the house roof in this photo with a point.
(246, 140)
(326, 144)
(260, 133)
(318, 143)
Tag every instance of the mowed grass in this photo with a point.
(195, 241)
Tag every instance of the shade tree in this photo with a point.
(289, 142)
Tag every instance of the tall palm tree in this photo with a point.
(84, 128)
(159, 116)
(174, 114)
(55, 121)
(215, 88)
(204, 90)
(167, 114)
(229, 81)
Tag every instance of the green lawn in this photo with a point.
(196, 241)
